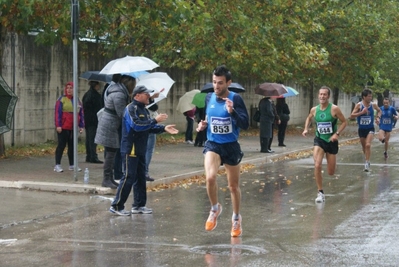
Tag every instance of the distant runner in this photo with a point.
(364, 112)
(326, 116)
(388, 117)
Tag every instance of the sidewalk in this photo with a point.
(170, 163)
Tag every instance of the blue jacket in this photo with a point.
(136, 125)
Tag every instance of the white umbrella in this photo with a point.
(185, 101)
(128, 64)
(156, 81)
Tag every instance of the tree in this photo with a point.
(342, 44)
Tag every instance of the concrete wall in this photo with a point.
(42, 71)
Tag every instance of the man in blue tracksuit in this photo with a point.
(136, 126)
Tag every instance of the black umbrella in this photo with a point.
(94, 75)
(234, 87)
(8, 101)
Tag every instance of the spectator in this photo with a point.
(109, 128)
(200, 139)
(152, 140)
(276, 121)
(190, 115)
(266, 124)
(117, 162)
(284, 113)
(135, 129)
(92, 103)
(64, 125)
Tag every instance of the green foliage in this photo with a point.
(342, 44)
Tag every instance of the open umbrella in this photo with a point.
(291, 92)
(234, 87)
(128, 64)
(136, 74)
(156, 81)
(94, 75)
(8, 101)
(185, 101)
(270, 89)
(199, 100)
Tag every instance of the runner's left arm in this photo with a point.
(240, 113)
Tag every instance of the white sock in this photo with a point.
(215, 207)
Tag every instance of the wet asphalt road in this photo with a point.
(357, 226)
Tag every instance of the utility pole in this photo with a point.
(75, 36)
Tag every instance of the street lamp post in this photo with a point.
(75, 36)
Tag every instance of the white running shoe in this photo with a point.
(58, 168)
(367, 166)
(320, 198)
(72, 167)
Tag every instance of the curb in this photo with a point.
(92, 189)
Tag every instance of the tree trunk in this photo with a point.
(2, 146)
(335, 95)
(311, 93)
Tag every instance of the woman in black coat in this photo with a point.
(267, 118)
(284, 113)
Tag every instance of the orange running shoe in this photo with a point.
(236, 229)
(212, 221)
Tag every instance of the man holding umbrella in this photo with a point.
(225, 115)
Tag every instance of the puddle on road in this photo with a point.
(228, 249)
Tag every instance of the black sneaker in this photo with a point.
(149, 179)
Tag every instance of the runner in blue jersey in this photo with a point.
(388, 117)
(226, 114)
(364, 112)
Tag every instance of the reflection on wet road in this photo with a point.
(357, 225)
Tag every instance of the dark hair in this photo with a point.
(93, 83)
(222, 71)
(129, 82)
(326, 87)
(280, 100)
(116, 77)
(366, 92)
(126, 78)
(387, 98)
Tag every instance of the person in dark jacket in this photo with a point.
(190, 116)
(284, 114)
(200, 138)
(266, 124)
(276, 121)
(136, 126)
(92, 103)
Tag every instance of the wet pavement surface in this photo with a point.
(282, 225)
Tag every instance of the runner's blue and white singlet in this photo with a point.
(366, 121)
(221, 126)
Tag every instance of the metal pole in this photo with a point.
(75, 36)
(13, 83)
